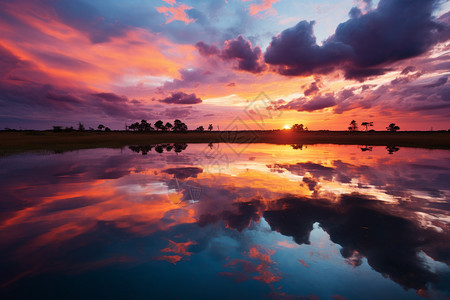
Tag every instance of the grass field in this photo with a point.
(20, 141)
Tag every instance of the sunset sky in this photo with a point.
(238, 64)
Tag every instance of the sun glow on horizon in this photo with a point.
(286, 127)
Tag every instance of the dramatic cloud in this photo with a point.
(64, 62)
(395, 30)
(295, 52)
(181, 98)
(24, 89)
(249, 59)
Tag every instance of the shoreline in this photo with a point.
(12, 142)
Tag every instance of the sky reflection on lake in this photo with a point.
(207, 221)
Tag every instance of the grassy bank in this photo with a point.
(20, 141)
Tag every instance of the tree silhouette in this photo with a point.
(159, 125)
(367, 124)
(107, 129)
(168, 126)
(81, 127)
(134, 126)
(392, 127)
(101, 127)
(297, 127)
(210, 127)
(145, 126)
(200, 128)
(353, 126)
(179, 126)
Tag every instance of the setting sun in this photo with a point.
(286, 127)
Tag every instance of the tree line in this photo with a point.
(143, 126)
(177, 126)
(353, 126)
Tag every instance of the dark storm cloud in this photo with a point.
(395, 30)
(360, 73)
(239, 49)
(181, 98)
(295, 52)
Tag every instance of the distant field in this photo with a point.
(20, 141)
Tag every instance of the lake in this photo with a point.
(226, 221)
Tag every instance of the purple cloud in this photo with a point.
(319, 102)
(249, 59)
(207, 50)
(23, 95)
(295, 52)
(441, 81)
(312, 90)
(177, 113)
(181, 98)
(192, 78)
(362, 45)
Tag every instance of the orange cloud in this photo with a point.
(179, 248)
(265, 5)
(176, 13)
(171, 2)
(68, 56)
(287, 244)
(172, 259)
(303, 262)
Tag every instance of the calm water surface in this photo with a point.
(219, 222)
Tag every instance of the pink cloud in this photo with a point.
(171, 2)
(265, 5)
(176, 13)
